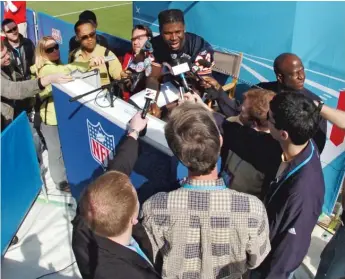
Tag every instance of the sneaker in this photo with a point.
(63, 186)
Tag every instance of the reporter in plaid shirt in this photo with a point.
(203, 229)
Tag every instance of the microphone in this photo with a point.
(109, 58)
(204, 63)
(152, 87)
(179, 69)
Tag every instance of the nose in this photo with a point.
(301, 75)
(174, 37)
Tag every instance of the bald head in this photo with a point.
(289, 71)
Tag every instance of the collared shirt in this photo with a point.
(115, 67)
(134, 246)
(205, 230)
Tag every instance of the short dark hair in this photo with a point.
(108, 204)
(296, 114)
(170, 16)
(143, 27)
(280, 59)
(5, 22)
(82, 22)
(193, 137)
(88, 15)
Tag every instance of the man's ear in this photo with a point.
(284, 135)
(134, 220)
(280, 78)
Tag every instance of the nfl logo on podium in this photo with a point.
(102, 145)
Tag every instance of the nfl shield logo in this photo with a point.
(56, 34)
(102, 145)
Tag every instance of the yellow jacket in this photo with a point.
(47, 110)
(115, 66)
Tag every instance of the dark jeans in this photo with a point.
(332, 265)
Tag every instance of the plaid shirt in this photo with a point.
(204, 230)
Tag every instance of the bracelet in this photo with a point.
(320, 105)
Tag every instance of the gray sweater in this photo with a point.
(15, 90)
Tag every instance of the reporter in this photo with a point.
(85, 243)
(228, 107)
(18, 90)
(140, 34)
(48, 62)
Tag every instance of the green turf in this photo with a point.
(113, 20)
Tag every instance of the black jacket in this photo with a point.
(118, 262)
(22, 58)
(93, 252)
(293, 203)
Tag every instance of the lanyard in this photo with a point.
(306, 161)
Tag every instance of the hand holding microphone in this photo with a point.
(137, 125)
(101, 60)
(152, 87)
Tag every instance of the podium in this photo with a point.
(90, 130)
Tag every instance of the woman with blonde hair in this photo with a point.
(48, 62)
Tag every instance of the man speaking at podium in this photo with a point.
(174, 43)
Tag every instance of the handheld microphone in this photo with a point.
(109, 58)
(179, 69)
(151, 93)
(204, 63)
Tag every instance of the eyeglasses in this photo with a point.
(89, 36)
(51, 49)
(140, 37)
(14, 29)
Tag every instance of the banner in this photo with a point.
(20, 177)
(315, 31)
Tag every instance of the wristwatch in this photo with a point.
(320, 105)
(131, 130)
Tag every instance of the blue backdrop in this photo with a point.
(315, 31)
(20, 177)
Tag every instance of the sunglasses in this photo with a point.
(14, 29)
(51, 49)
(90, 36)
